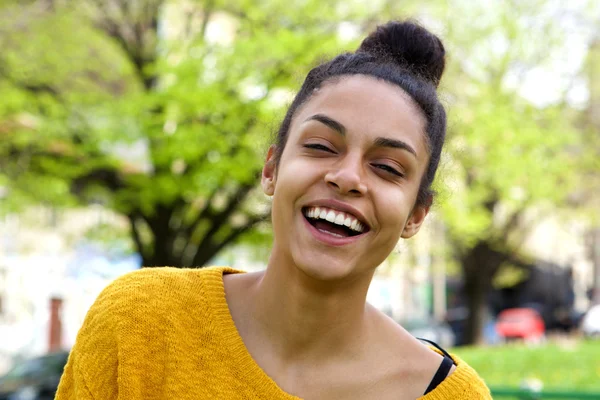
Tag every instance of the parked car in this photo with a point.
(34, 379)
(430, 329)
(590, 324)
(521, 323)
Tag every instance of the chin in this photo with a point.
(322, 268)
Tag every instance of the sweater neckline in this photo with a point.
(248, 370)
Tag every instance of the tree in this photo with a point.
(510, 161)
(194, 87)
(197, 104)
(591, 124)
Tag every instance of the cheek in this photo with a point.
(297, 173)
(293, 180)
(285, 182)
(394, 208)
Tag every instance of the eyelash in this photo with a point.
(388, 169)
(383, 167)
(317, 146)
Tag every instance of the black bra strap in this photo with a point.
(441, 374)
(443, 369)
(434, 344)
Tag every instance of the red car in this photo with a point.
(521, 323)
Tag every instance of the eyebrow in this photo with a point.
(396, 144)
(379, 142)
(331, 123)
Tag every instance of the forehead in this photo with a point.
(369, 107)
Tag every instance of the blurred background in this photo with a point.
(132, 133)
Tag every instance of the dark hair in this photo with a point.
(402, 53)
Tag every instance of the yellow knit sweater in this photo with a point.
(166, 333)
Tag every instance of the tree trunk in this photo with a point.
(595, 255)
(476, 293)
(593, 120)
(479, 265)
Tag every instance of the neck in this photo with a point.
(308, 319)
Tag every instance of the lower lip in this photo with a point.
(330, 239)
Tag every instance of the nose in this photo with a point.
(347, 177)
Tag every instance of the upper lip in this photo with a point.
(340, 206)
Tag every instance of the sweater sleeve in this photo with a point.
(120, 350)
(93, 359)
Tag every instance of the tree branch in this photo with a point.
(203, 254)
(208, 9)
(220, 218)
(205, 213)
(107, 177)
(512, 223)
(136, 234)
(33, 88)
(131, 33)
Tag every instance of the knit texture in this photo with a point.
(167, 333)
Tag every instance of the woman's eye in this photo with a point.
(388, 169)
(317, 146)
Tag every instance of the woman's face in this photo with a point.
(346, 185)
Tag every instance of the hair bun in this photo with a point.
(410, 45)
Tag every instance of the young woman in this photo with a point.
(350, 175)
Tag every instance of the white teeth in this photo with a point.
(330, 216)
(338, 218)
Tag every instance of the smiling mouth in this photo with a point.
(333, 222)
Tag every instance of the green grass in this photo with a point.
(572, 365)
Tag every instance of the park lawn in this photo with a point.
(574, 366)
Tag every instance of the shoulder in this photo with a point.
(463, 383)
(141, 306)
(419, 364)
(131, 323)
(158, 282)
(149, 293)
(410, 364)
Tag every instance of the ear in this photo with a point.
(269, 172)
(414, 222)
